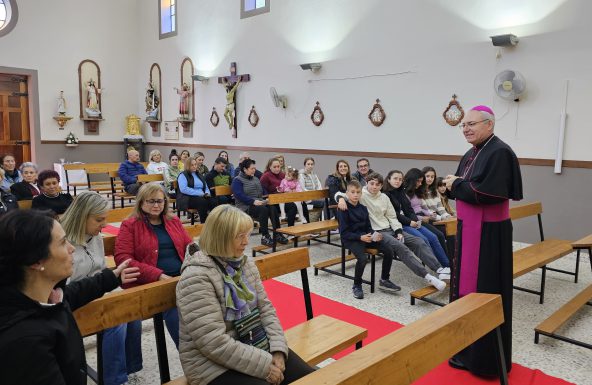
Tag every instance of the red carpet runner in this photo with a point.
(289, 303)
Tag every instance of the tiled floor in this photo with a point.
(554, 357)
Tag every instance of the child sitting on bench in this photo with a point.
(290, 183)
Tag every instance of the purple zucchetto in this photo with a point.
(483, 108)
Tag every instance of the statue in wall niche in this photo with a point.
(184, 102)
(93, 109)
(62, 104)
(152, 102)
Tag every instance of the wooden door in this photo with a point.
(15, 137)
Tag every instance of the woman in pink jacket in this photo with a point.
(155, 240)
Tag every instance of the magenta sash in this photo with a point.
(473, 217)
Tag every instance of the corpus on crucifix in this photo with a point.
(231, 84)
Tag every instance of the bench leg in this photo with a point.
(536, 337)
(543, 276)
(306, 292)
(358, 345)
(372, 273)
(161, 351)
(577, 265)
(501, 361)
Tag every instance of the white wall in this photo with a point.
(448, 52)
(53, 37)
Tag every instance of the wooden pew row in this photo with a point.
(301, 232)
(525, 260)
(407, 354)
(550, 325)
(314, 340)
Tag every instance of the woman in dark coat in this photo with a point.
(39, 340)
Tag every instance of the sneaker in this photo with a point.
(387, 285)
(443, 270)
(280, 238)
(266, 240)
(336, 231)
(435, 282)
(358, 292)
(444, 277)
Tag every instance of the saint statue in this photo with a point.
(92, 99)
(61, 104)
(229, 110)
(184, 96)
(152, 102)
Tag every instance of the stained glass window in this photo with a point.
(168, 18)
(253, 7)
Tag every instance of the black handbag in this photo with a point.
(7, 202)
(249, 329)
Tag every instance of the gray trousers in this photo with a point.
(405, 251)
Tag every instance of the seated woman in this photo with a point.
(309, 181)
(82, 223)
(26, 189)
(271, 180)
(11, 174)
(441, 187)
(185, 154)
(156, 165)
(8, 201)
(229, 166)
(171, 174)
(431, 201)
(414, 189)
(202, 169)
(193, 191)
(39, 340)
(249, 196)
(337, 182)
(393, 188)
(51, 197)
(155, 241)
(219, 288)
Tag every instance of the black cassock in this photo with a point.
(489, 177)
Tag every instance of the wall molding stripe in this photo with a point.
(368, 154)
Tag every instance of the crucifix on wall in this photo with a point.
(231, 84)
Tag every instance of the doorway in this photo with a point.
(15, 134)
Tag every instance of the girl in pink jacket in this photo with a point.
(290, 183)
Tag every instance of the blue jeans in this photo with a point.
(121, 354)
(122, 348)
(432, 240)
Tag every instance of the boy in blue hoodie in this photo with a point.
(357, 234)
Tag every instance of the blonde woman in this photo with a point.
(82, 223)
(220, 285)
(156, 165)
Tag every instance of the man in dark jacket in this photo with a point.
(219, 177)
(129, 170)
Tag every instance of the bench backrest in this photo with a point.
(194, 231)
(407, 354)
(144, 178)
(298, 196)
(74, 166)
(118, 215)
(25, 204)
(525, 210)
(109, 244)
(145, 301)
(223, 190)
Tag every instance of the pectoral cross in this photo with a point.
(231, 84)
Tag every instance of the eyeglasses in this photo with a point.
(472, 124)
(153, 202)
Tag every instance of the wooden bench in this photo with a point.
(221, 191)
(404, 356)
(319, 337)
(582, 244)
(550, 326)
(116, 191)
(118, 215)
(150, 300)
(525, 260)
(325, 266)
(73, 166)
